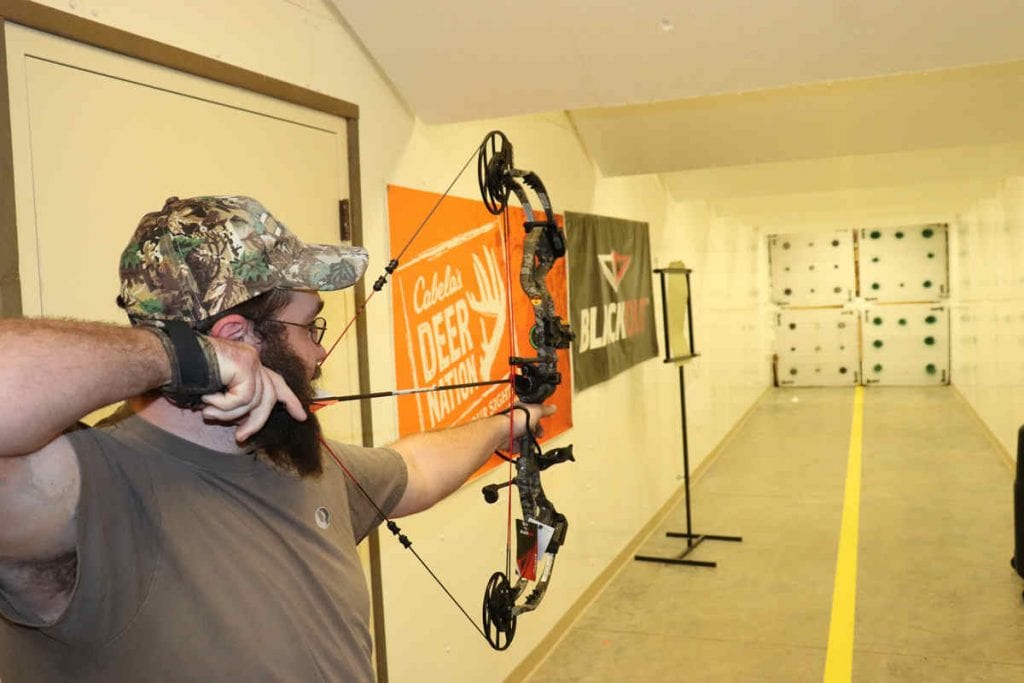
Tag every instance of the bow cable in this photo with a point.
(394, 262)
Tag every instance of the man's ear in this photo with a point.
(236, 328)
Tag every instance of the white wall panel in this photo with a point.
(906, 344)
(904, 264)
(817, 347)
(812, 269)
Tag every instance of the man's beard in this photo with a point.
(288, 443)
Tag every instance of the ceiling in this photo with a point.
(777, 91)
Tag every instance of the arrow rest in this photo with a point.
(533, 383)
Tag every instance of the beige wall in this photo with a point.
(987, 312)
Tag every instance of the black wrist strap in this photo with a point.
(193, 362)
(193, 370)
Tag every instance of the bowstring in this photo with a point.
(507, 234)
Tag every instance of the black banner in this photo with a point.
(610, 285)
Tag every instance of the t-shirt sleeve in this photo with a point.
(382, 474)
(116, 545)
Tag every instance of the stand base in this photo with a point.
(691, 545)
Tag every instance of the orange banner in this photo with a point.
(450, 299)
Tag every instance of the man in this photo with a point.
(198, 534)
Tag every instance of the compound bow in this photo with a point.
(542, 530)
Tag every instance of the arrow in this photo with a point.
(406, 392)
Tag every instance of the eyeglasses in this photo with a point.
(316, 329)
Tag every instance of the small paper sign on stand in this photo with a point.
(677, 326)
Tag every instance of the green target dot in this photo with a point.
(926, 233)
(792, 371)
(930, 341)
(877, 321)
(877, 343)
(875, 285)
(878, 367)
(874, 259)
(931, 369)
(875, 234)
(931, 255)
(903, 321)
(899, 235)
(927, 284)
(931, 320)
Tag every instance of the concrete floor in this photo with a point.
(936, 599)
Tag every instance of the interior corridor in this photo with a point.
(935, 596)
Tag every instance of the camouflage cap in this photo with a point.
(200, 256)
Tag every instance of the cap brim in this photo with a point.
(325, 268)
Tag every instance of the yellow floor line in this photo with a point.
(839, 657)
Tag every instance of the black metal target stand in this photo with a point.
(693, 541)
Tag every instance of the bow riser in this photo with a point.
(538, 377)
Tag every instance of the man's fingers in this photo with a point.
(277, 392)
(235, 402)
(241, 390)
(285, 395)
(211, 413)
(252, 391)
(257, 416)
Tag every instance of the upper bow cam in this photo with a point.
(541, 531)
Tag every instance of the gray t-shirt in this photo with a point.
(196, 565)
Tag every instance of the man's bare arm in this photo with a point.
(54, 372)
(439, 462)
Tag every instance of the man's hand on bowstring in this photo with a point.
(251, 390)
